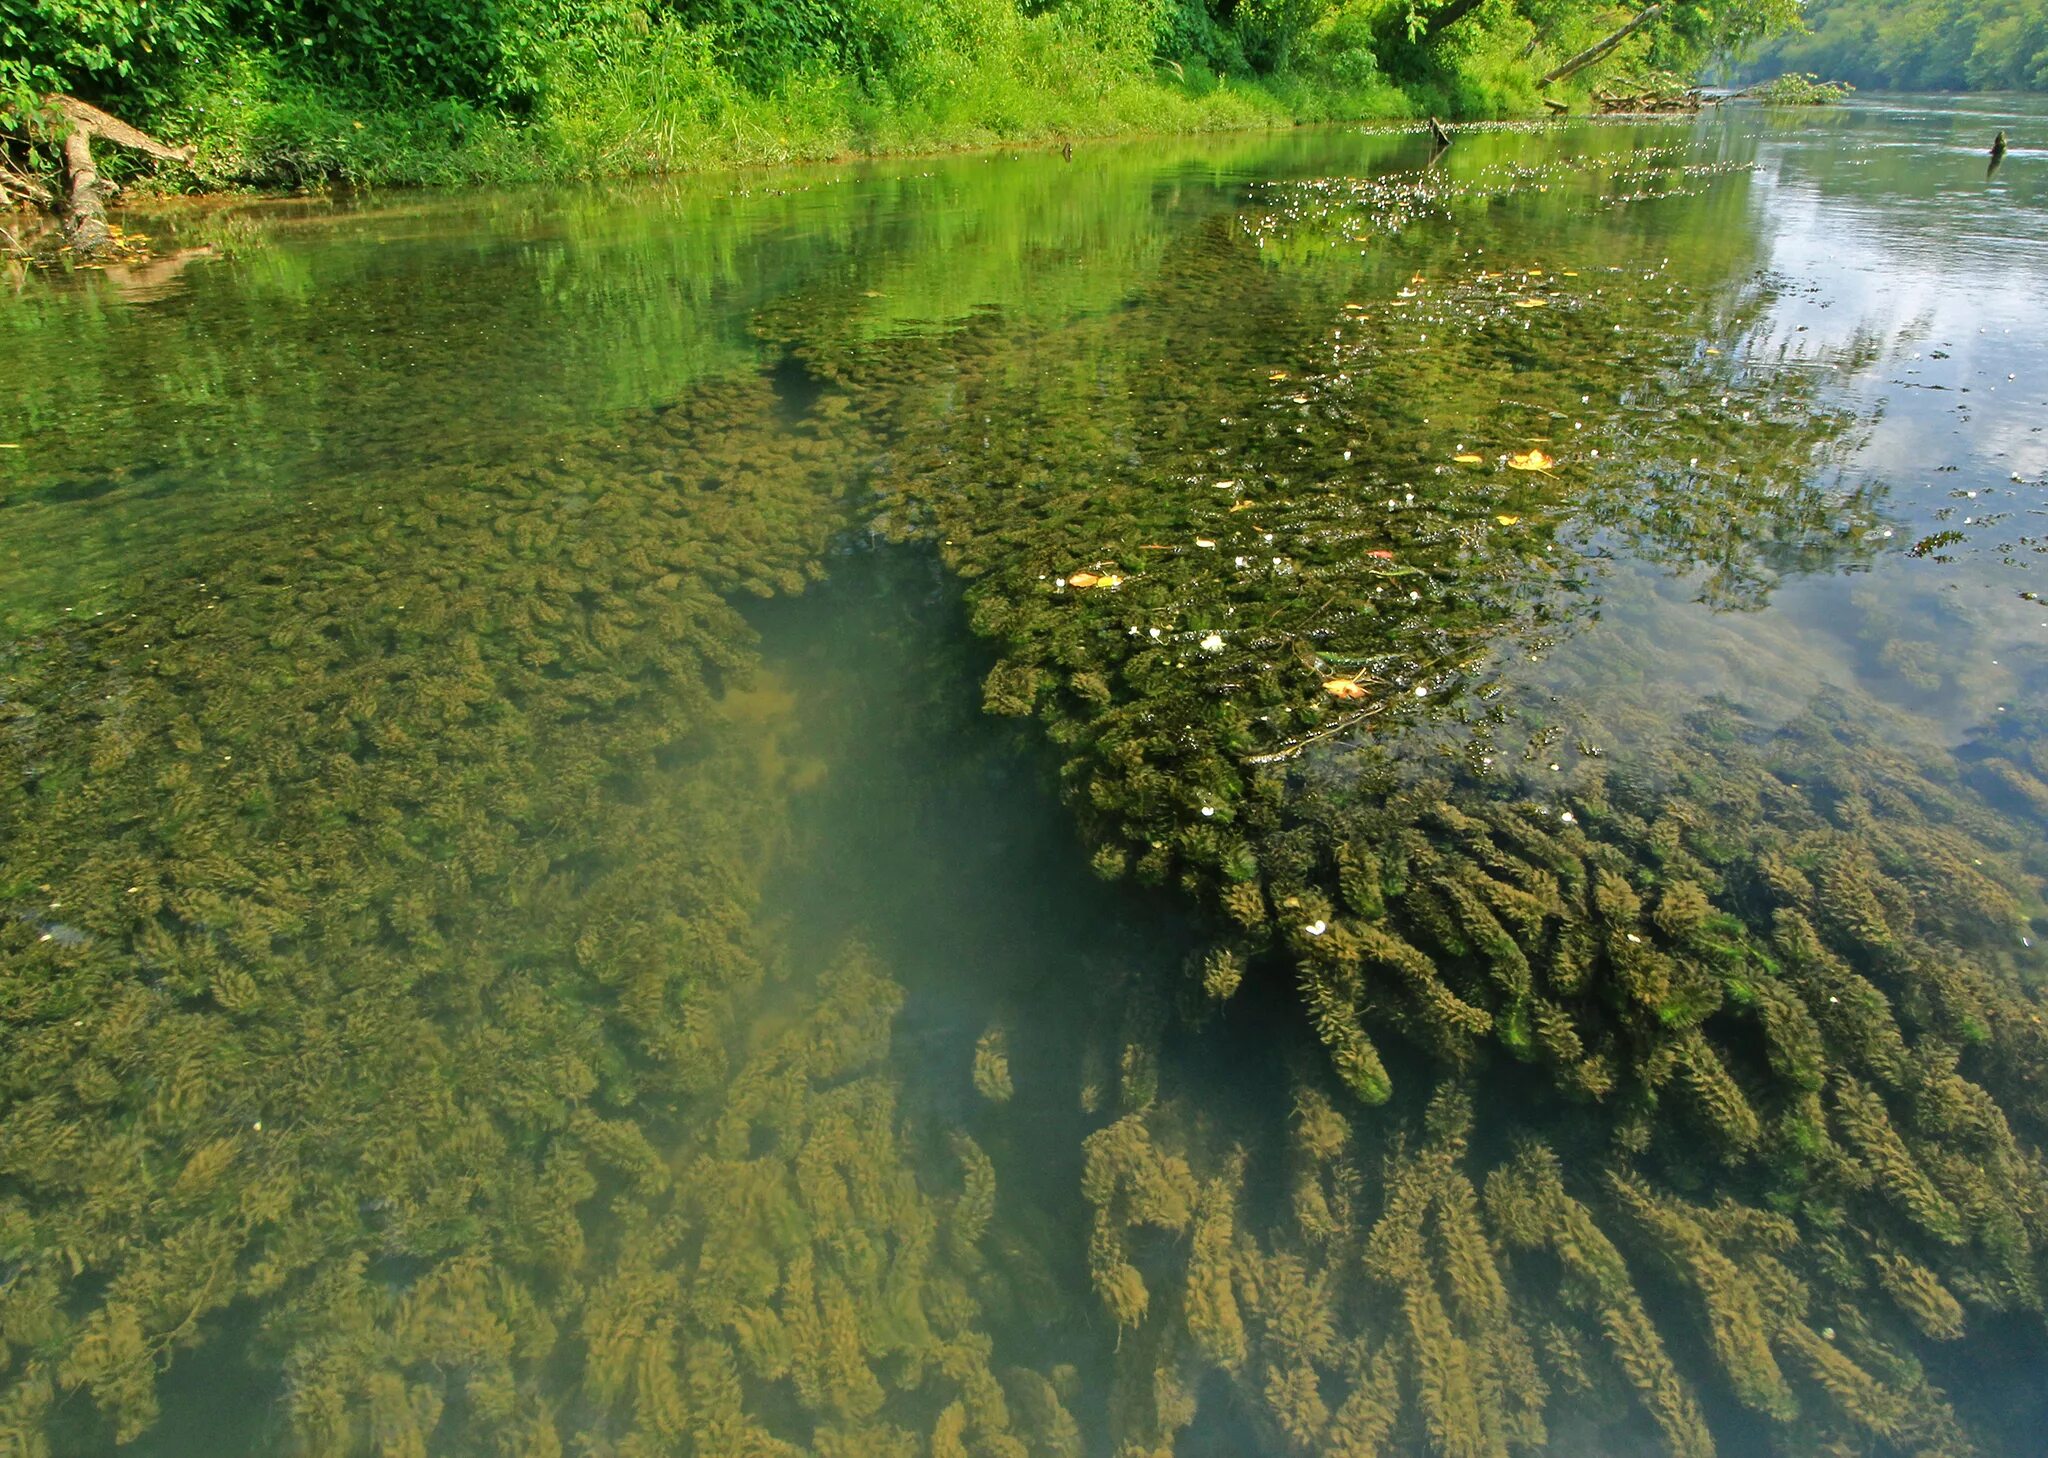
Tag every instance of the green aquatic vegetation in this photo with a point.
(992, 1066)
(1448, 1322)
(399, 1000)
(1799, 88)
(391, 999)
(1260, 606)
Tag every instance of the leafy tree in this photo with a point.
(1921, 45)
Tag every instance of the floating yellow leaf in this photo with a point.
(1344, 688)
(1506, 520)
(1531, 460)
(1244, 506)
(1532, 303)
(1468, 460)
(1277, 375)
(1083, 579)
(1713, 351)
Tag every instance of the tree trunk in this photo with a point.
(1591, 54)
(1442, 20)
(88, 118)
(85, 211)
(85, 201)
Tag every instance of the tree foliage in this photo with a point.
(1922, 45)
(196, 68)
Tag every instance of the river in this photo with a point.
(1277, 794)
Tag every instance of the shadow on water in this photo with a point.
(934, 834)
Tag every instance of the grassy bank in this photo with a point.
(297, 92)
(672, 109)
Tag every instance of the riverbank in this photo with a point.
(651, 125)
(547, 94)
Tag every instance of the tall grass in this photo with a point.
(671, 101)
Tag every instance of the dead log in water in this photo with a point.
(83, 203)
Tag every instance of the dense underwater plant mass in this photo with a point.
(405, 1018)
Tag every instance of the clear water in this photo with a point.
(578, 770)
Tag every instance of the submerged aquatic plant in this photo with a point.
(1772, 980)
(410, 861)
(393, 998)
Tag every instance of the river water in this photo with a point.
(1258, 795)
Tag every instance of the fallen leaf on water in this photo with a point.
(1531, 460)
(1505, 520)
(1083, 580)
(1344, 688)
(1713, 351)
(1204, 542)
(1382, 553)
(1277, 375)
(1468, 460)
(1532, 303)
(1244, 506)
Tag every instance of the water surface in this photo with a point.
(1275, 794)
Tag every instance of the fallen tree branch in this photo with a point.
(1593, 53)
(18, 186)
(86, 229)
(85, 208)
(89, 118)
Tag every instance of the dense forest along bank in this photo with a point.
(1920, 45)
(459, 91)
(1287, 793)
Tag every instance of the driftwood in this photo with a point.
(1593, 53)
(18, 187)
(1437, 134)
(83, 205)
(1634, 103)
(90, 119)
